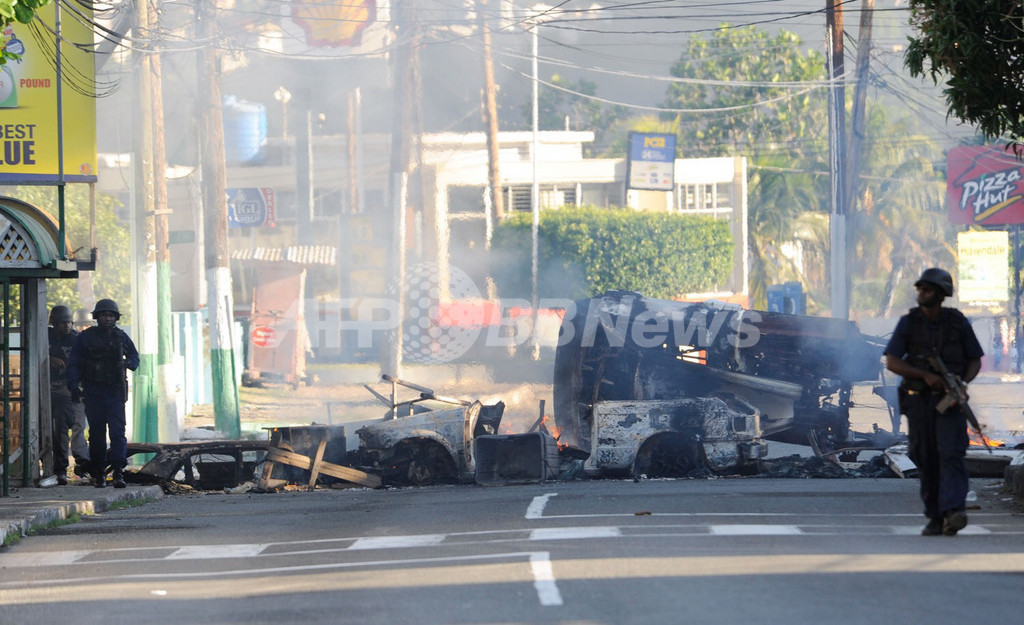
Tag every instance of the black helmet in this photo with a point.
(60, 314)
(938, 277)
(106, 305)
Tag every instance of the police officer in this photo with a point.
(97, 373)
(65, 412)
(938, 442)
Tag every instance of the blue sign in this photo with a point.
(250, 208)
(652, 159)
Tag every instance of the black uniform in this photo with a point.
(938, 442)
(97, 366)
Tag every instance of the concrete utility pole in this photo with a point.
(166, 378)
(860, 94)
(490, 114)
(837, 159)
(145, 417)
(218, 272)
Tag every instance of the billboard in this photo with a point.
(984, 266)
(985, 186)
(652, 160)
(28, 100)
(251, 208)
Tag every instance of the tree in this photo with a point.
(567, 106)
(112, 277)
(757, 91)
(976, 47)
(761, 97)
(23, 11)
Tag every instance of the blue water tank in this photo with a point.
(787, 298)
(245, 131)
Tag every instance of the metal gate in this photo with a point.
(15, 454)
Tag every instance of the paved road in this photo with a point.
(745, 550)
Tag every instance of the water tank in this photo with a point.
(245, 131)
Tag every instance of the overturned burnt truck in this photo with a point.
(661, 388)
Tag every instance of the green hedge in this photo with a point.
(586, 251)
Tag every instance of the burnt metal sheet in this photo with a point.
(224, 465)
(673, 437)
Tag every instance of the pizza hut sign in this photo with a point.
(985, 186)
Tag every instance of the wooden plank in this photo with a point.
(314, 471)
(344, 473)
(268, 464)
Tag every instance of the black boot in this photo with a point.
(99, 479)
(119, 479)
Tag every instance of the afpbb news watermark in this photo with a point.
(441, 330)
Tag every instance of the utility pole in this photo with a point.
(167, 408)
(490, 114)
(837, 159)
(145, 415)
(218, 272)
(860, 93)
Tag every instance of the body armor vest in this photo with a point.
(102, 358)
(926, 338)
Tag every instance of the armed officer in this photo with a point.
(938, 441)
(97, 373)
(64, 411)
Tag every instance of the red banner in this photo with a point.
(985, 186)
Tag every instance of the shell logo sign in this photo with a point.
(334, 23)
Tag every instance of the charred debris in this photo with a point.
(642, 388)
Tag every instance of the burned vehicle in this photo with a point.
(658, 387)
(417, 447)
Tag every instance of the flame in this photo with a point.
(978, 440)
(548, 424)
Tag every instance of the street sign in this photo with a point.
(984, 266)
(263, 336)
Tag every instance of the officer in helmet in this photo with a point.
(66, 414)
(938, 441)
(97, 373)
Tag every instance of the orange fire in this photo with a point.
(548, 424)
(978, 440)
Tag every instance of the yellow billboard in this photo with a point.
(984, 266)
(29, 140)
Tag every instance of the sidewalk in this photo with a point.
(29, 508)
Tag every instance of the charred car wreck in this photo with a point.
(663, 388)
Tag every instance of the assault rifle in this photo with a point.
(956, 393)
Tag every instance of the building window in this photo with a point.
(519, 197)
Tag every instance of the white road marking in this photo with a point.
(574, 533)
(43, 558)
(544, 579)
(755, 530)
(536, 507)
(914, 530)
(396, 542)
(207, 552)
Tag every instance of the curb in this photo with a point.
(51, 512)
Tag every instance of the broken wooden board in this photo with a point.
(315, 466)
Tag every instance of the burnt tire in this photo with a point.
(423, 463)
(667, 455)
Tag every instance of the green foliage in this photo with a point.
(586, 251)
(23, 11)
(976, 46)
(112, 277)
(790, 120)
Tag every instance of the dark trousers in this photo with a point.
(63, 413)
(938, 444)
(104, 410)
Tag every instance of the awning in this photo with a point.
(28, 243)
